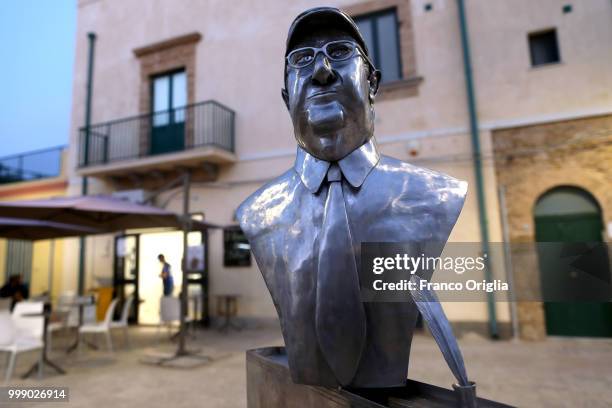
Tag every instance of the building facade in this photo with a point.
(196, 85)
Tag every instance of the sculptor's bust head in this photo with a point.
(330, 84)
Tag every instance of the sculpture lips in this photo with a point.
(322, 93)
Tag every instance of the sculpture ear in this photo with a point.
(285, 96)
(374, 80)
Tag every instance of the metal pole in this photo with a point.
(88, 94)
(84, 185)
(186, 227)
(508, 263)
(51, 267)
(477, 156)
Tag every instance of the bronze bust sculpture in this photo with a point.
(306, 226)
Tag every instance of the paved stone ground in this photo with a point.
(555, 373)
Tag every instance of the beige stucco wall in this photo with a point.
(509, 88)
(42, 266)
(3, 262)
(239, 62)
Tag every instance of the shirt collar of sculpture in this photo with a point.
(355, 167)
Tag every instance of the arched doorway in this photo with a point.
(571, 214)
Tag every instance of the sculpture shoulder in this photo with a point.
(421, 189)
(424, 183)
(267, 204)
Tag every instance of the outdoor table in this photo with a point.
(46, 314)
(81, 302)
(229, 304)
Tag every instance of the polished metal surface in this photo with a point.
(340, 322)
(331, 104)
(269, 386)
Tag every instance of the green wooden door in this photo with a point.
(169, 96)
(571, 318)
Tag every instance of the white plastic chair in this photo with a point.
(26, 335)
(102, 327)
(5, 304)
(169, 313)
(122, 323)
(90, 314)
(7, 329)
(66, 306)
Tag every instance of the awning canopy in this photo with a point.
(31, 230)
(101, 214)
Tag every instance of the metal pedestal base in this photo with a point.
(269, 385)
(184, 359)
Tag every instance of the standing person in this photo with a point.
(166, 276)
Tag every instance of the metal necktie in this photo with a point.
(340, 316)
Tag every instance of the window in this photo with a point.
(380, 32)
(544, 48)
(236, 248)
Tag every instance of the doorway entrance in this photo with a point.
(137, 271)
(570, 214)
(125, 274)
(170, 244)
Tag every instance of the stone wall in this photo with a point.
(531, 160)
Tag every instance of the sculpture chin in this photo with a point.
(325, 119)
(324, 136)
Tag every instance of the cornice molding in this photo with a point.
(185, 39)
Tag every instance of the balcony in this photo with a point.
(198, 136)
(35, 165)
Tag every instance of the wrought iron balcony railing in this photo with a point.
(198, 125)
(33, 165)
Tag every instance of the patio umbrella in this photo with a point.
(105, 214)
(110, 214)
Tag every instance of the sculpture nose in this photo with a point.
(322, 72)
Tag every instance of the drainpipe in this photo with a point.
(477, 157)
(84, 186)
